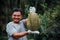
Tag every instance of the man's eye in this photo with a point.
(14, 15)
(18, 15)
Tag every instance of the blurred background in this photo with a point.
(48, 11)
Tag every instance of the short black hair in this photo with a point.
(17, 10)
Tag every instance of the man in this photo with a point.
(15, 29)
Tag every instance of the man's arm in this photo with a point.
(18, 35)
(26, 20)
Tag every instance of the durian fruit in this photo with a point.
(33, 21)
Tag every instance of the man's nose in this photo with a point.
(16, 16)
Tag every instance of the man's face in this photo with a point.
(16, 17)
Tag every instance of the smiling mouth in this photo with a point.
(16, 18)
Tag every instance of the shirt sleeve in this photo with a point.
(23, 21)
(10, 29)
